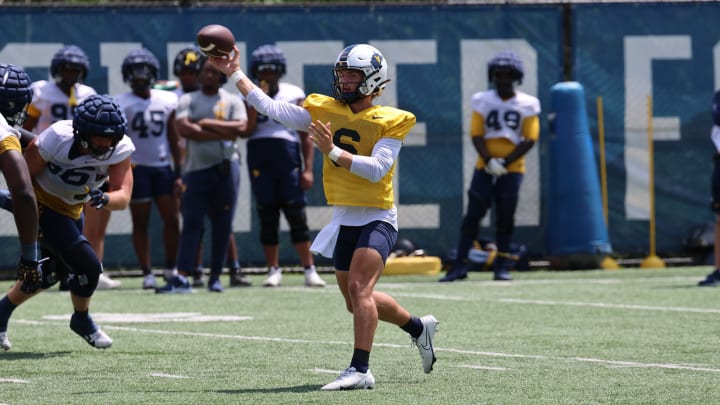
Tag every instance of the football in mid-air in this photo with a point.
(215, 40)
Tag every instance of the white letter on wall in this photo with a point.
(639, 55)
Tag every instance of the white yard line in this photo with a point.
(605, 305)
(484, 367)
(163, 375)
(610, 363)
(14, 381)
(605, 362)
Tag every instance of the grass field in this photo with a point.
(628, 336)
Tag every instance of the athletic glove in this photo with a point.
(29, 273)
(98, 199)
(496, 167)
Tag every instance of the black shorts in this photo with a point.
(378, 235)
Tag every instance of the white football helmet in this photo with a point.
(370, 62)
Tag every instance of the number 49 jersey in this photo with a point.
(504, 123)
(147, 125)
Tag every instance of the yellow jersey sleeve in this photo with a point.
(10, 142)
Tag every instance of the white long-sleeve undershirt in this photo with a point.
(372, 168)
(376, 166)
(291, 115)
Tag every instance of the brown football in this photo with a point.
(215, 40)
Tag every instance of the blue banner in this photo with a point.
(625, 55)
(660, 56)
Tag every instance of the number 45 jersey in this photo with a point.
(148, 125)
(504, 123)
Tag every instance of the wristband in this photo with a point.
(335, 153)
(237, 75)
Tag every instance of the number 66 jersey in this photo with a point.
(63, 184)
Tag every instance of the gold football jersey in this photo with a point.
(9, 138)
(358, 134)
(504, 124)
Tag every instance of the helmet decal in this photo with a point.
(188, 59)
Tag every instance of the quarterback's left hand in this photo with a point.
(496, 167)
(98, 199)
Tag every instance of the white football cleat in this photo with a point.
(4, 341)
(99, 339)
(312, 278)
(149, 282)
(83, 325)
(424, 342)
(274, 277)
(351, 379)
(106, 283)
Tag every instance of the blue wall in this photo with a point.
(438, 57)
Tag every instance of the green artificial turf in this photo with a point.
(629, 336)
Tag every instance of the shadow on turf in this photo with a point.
(682, 287)
(15, 355)
(276, 390)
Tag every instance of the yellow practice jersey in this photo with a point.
(358, 134)
(9, 137)
(503, 124)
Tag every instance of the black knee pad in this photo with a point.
(269, 224)
(53, 270)
(86, 269)
(295, 215)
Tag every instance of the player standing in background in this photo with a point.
(279, 175)
(504, 126)
(211, 119)
(360, 142)
(156, 162)
(68, 162)
(56, 100)
(186, 68)
(15, 96)
(713, 279)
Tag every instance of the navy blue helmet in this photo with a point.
(69, 56)
(189, 59)
(140, 63)
(506, 60)
(99, 116)
(15, 93)
(267, 57)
